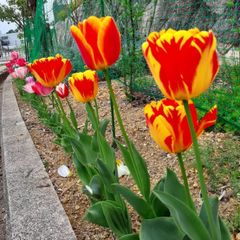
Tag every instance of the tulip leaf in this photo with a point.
(139, 204)
(174, 187)
(110, 214)
(225, 234)
(221, 229)
(213, 202)
(96, 215)
(82, 147)
(137, 168)
(91, 116)
(73, 118)
(159, 208)
(106, 176)
(82, 171)
(133, 236)
(97, 187)
(161, 228)
(107, 154)
(185, 217)
(103, 126)
(117, 218)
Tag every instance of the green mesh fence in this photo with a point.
(48, 33)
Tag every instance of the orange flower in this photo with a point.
(183, 63)
(168, 125)
(84, 86)
(50, 71)
(98, 40)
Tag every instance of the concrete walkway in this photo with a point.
(34, 210)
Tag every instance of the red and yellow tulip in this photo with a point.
(168, 125)
(183, 63)
(50, 71)
(84, 85)
(98, 40)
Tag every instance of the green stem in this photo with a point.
(119, 119)
(114, 145)
(93, 113)
(96, 108)
(112, 96)
(200, 170)
(185, 181)
(72, 115)
(62, 112)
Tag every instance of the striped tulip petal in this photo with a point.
(84, 85)
(98, 40)
(50, 71)
(168, 125)
(62, 90)
(183, 63)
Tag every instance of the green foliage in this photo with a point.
(137, 168)
(225, 93)
(110, 214)
(234, 221)
(160, 228)
(220, 163)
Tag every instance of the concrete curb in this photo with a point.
(34, 210)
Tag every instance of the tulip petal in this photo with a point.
(83, 46)
(109, 41)
(208, 120)
(207, 67)
(64, 171)
(91, 29)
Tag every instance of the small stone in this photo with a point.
(195, 185)
(77, 207)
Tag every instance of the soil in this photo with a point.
(69, 189)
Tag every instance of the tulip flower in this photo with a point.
(21, 72)
(36, 87)
(29, 79)
(183, 63)
(14, 55)
(62, 90)
(98, 40)
(168, 125)
(50, 71)
(84, 85)
(21, 62)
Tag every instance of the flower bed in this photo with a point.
(70, 189)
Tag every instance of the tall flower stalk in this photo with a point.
(200, 171)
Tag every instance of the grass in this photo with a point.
(223, 165)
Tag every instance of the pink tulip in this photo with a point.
(14, 55)
(30, 79)
(28, 87)
(21, 72)
(36, 87)
(62, 90)
(21, 62)
(39, 89)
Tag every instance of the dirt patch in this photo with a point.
(69, 189)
